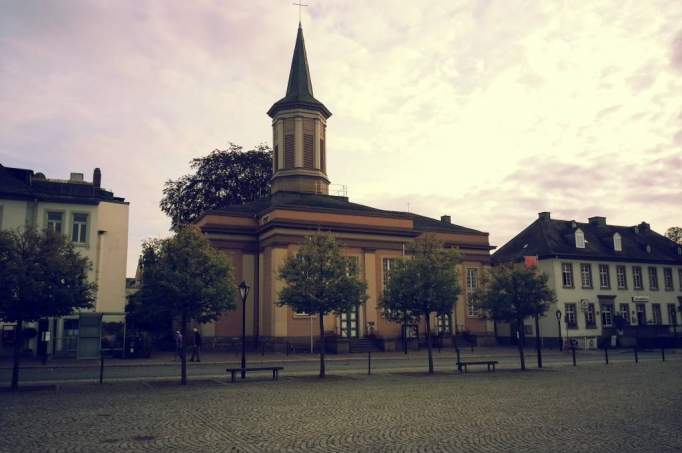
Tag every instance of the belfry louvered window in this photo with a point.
(289, 144)
(308, 143)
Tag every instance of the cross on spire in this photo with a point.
(299, 4)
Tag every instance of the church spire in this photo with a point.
(299, 89)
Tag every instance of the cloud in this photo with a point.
(453, 108)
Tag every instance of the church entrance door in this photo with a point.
(349, 323)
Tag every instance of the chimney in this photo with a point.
(644, 226)
(599, 221)
(446, 219)
(544, 216)
(76, 177)
(97, 178)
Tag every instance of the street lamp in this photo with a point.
(558, 323)
(244, 293)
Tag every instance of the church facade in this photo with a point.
(260, 235)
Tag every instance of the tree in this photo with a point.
(674, 234)
(184, 278)
(424, 283)
(41, 275)
(223, 177)
(321, 281)
(511, 294)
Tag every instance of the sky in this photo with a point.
(488, 111)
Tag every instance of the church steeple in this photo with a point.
(300, 88)
(299, 122)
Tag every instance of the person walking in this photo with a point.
(178, 345)
(196, 347)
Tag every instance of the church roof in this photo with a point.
(548, 238)
(300, 88)
(341, 205)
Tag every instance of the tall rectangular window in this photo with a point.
(625, 312)
(668, 278)
(323, 155)
(308, 142)
(55, 221)
(472, 310)
(656, 313)
(388, 264)
(637, 277)
(571, 320)
(679, 278)
(79, 230)
(606, 315)
(567, 275)
(604, 277)
(0, 217)
(653, 278)
(586, 275)
(621, 277)
(289, 144)
(589, 317)
(641, 314)
(672, 315)
(472, 284)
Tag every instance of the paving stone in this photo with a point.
(615, 408)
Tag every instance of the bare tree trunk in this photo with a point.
(18, 344)
(322, 345)
(537, 340)
(183, 352)
(521, 338)
(428, 342)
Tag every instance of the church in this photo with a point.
(258, 236)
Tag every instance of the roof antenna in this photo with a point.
(299, 4)
(408, 206)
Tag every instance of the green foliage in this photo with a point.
(183, 278)
(674, 234)
(511, 293)
(41, 275)
(319, 280)
(425, 282)
(223, 177)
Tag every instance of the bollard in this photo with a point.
(369, 363)
(459, 362)
(573, 351)
(101, 367)
(636, 356)
(663, 354)
(606, 354)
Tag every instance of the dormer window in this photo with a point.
(579, 239)
(648, 248)
(617, 243)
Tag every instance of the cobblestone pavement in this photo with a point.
(616, 408)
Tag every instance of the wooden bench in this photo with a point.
(275, 371)
(489, 363)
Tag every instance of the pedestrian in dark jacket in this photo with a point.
(196, 347)
(178, 345)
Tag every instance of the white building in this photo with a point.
(97, 223)
(598, 272)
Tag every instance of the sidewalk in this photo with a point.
(224, 358)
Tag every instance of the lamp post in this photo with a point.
(244, 293)
(558, 323)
